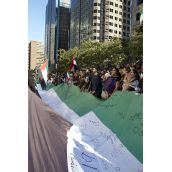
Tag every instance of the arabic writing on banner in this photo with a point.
(92, 147)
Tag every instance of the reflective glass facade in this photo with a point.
(63, 27)
(75, 23)
(56, 29)
(50, 22)
(86, 24)
(81, 21)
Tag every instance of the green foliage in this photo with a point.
(135, 46)
(98, 54)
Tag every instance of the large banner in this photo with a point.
(92, 147)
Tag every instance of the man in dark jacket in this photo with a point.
(42, 82)
(96, 84)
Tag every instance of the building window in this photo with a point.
(119, 32)
(124, 27)
(128, 15)
(120, 19)
(116, 11)
(124, 21)
(125, 8)
(96, 11)
(115, 31)
(110, 23)
(96, 17)
(124, 14)
(120, 26)
(94, 37)
(110, 30)
(120, 6)
(110, 37)
(116, 5)
(116, 25)
(128, 2)
(111, 17)
(111, 3)
(120, 13)
(111, 10)
(125, 1)
(96, 4)
(128, 9)
(98, 31)
(124, 34)
(116, 18)
(94, 31)
(128, 22)
(128, 28)
(120, 0)
(137, 16)
(96, 24)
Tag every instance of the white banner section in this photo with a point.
(92, 147)
(53, 100)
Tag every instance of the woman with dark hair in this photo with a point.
(133, 83)
(124, 77)
(111, 83)
(82, 80)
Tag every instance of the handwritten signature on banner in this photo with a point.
(92, 147)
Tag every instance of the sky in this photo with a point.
(36, 20)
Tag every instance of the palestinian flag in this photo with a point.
(73, 66)
(105, 135)
(44, 70)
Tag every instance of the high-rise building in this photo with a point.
(36, 54)
(63, 25)
(56, 29)
(99, 20)
(50, 25)
(137, 7)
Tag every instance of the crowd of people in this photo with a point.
(102, 83)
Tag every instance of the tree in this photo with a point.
(135, 46)
(103, 54)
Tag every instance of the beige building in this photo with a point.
(36, 54)
(116, 20)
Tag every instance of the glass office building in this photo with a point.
(50, 24)
(62, 27)
(56, 29)
(81, 21)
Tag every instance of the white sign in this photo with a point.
(92, 147)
